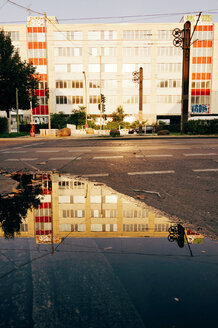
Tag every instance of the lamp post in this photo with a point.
(85, 92)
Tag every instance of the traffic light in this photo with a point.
(178, 37)
(103, 100)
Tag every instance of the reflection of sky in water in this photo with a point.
(104, 282)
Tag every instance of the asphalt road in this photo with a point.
(183, 171)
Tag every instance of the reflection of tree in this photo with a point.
(13, 207)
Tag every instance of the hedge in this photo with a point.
(201, 127)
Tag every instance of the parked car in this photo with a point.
(145, 129)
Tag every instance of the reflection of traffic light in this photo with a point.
(105, 117)
(47, 93)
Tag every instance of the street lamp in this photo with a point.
(85, 91)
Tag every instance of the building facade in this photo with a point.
(79, 62)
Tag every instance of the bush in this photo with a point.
(201, 127)
(169, 127)
(3, 125)
(114, 133)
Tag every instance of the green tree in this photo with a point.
(58, 121)
(78, 117)
(15, 73)
(118, 115)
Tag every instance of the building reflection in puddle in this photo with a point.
(65, 206)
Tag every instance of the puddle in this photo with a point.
(77, 253)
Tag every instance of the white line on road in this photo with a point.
(15, 152)
(61, 158)
(139, 156)
(20, 159)
(150, 172)
(106, 157)
(160, 155)
(205, 170)
(208, 154)
(96, 175)
(47, 151)
(78, 150)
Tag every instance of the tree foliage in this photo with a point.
(58, 121)
(15, 73)
(118, 115)
(78, 117)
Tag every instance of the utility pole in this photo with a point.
(183, 39)
(100, 104)
(140, 98)
(138, 78)
(85, 88)
(185, 74)
(17, 106)
(46, 51)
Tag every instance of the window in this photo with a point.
(136, 51)
(165, 35)
(37, 53)
(60, 36)
(71, 35)
(109, 84)
(169, 51)
(42, 69)
(110, 68)
(94, 68)
(61, 68)
(94, 84)
(137, 35)
(76, 68)
(23, 227)
(109, 51)
(36, 37)
(169, 99)
(169, 67)
(14, 35)
(69, 100)
(94, 35)
(72, 52)
(127, 68)
(110, 35)
(94, 99)
(93, 51)
(169, 83)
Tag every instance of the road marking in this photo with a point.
(47, 151)
(106, 157)
(139, 156)
(205, 170)
(160, 155)
(208, 154)
(20, 159)
(150, 172)
(15, 152)
(78, 150)
(61, 158)
(96, 175)
(178, 148)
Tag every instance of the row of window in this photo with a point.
(200, 84)
(200, 100)
(112, 52)
(103, 51)
(105, 213)
(127, 68)
(68, 100)
(104, 35)
(64, 227)
(169, 83)
(168, 99)
(106, 84)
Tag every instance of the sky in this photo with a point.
(99, 11)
